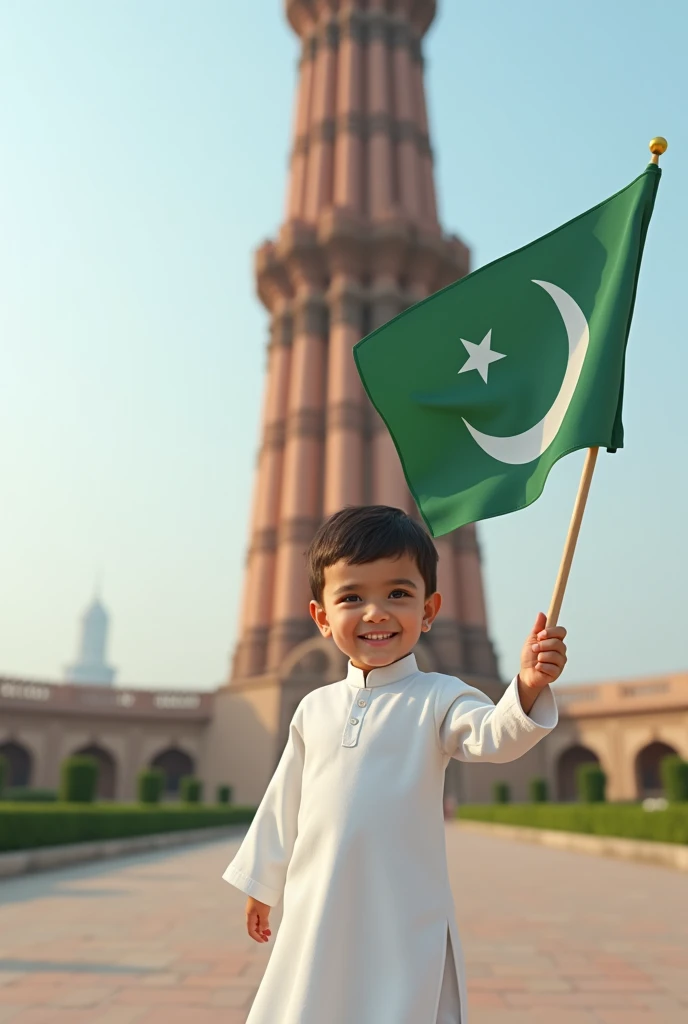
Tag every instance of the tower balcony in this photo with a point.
(343, 243)
(305, 15)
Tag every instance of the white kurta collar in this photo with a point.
(393, 673)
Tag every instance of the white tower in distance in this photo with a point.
(91, 664)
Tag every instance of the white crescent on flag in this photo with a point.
(519, 449)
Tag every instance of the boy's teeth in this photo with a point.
(377, 636)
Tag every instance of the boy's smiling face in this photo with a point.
(375, 612)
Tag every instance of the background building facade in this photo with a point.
(41, 724)
(627, 726)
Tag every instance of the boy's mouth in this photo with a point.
(378, 637)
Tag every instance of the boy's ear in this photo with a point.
(430, 610)
(319, 616)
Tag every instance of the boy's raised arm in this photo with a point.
(259, 868)
(472, 728)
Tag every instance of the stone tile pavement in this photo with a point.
(550, 937)
(554, 937)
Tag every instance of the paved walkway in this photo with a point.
(550, 938)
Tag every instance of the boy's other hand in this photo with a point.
(542, 660)
(258, 919)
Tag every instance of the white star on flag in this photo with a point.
(480, 356)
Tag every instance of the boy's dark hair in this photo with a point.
(364, 533)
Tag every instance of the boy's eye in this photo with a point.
(349, 598)
(399, 593)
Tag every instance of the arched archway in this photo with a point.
(313, 662)
(175, 764)
(107, 769)
(19, 764)
(567, 769)
(648, 776)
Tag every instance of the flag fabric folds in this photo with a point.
(487, 383)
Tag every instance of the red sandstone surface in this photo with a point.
(159, 939)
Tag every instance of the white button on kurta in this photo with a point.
(350, 833)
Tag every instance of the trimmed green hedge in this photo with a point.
(26, 826)
(191, 790)
(674, 772)
(539, 791)
(629, 821)
(150, 785)
(30, 794)
(79, 779)
(591, 783)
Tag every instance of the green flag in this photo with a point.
(486, 384)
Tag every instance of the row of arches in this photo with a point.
(648, 779)
(175, 763)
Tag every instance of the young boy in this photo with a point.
(350, 832)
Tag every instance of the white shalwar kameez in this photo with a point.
(350, 834)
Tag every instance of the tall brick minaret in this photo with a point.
(360, 242)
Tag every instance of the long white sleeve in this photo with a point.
(473, 728)
(260, 866)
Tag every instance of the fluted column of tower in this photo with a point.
(360, 243)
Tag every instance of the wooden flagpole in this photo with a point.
(574, 530)
(657, 147)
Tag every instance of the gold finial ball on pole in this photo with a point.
(658, 146)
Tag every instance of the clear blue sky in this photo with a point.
(144, 156)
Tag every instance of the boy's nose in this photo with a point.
(375, 614)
